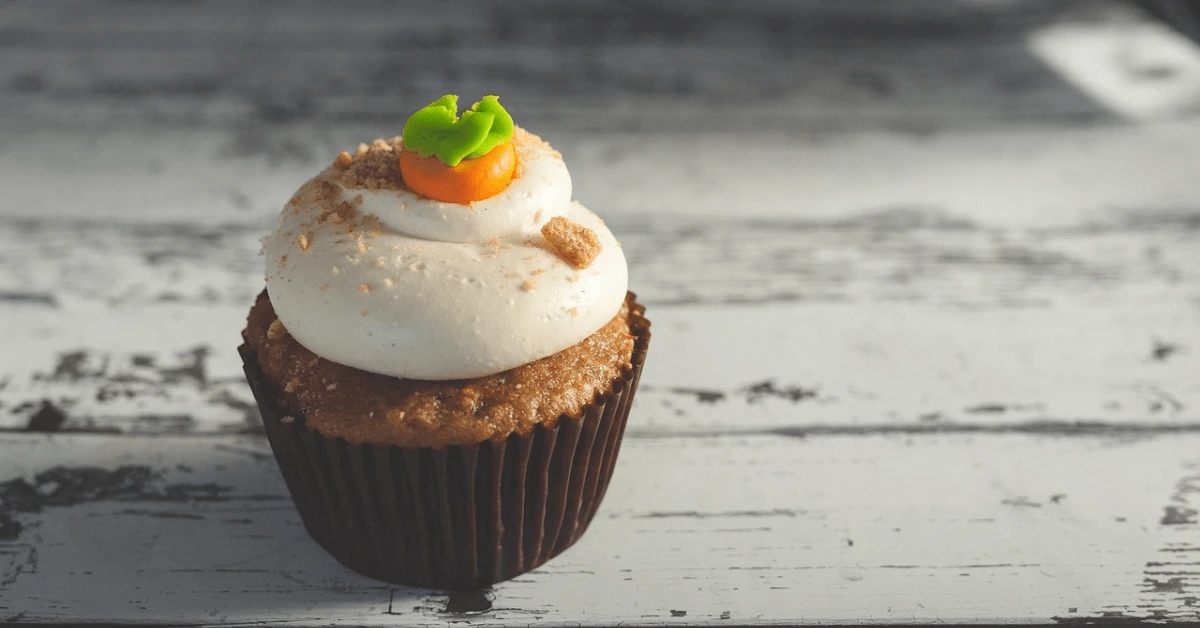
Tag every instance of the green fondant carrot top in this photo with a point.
(437, 129)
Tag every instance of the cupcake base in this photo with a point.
(458, 517)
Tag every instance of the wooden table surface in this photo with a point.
(924, 277)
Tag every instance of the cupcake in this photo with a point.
(445, 352)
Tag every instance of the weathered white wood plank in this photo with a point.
(747, 530)
(992, 178)
(900, 320)
(899, 254)
(826, 367)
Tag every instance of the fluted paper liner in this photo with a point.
(459, 517)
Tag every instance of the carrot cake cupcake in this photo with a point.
(445, 353)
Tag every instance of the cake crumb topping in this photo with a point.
(276, 330)
(364, 288)
(302, 240)
(529, 285)
(574, 242)
(338, 213)
(343, 161)
(374, 167)
(372, 224)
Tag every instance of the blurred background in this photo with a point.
(215, 111)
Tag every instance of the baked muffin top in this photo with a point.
(363, 407)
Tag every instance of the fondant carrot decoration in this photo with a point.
(458, 160)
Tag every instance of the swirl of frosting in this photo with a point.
(363, 272)
(541, 186)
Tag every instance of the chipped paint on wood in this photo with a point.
(1003, 350)
(202, 527)
(903, 255)
(828, 369)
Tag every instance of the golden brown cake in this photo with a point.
(363, 407)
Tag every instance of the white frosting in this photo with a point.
(446, 291)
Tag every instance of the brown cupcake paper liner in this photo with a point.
(459, 517)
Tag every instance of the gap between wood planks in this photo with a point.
(820, 369)
(900, 254)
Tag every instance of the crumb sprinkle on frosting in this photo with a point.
(574, 242)
(374, 167)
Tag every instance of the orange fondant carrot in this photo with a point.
(470, 180)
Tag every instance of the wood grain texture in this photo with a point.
(862, 529)
(134, 325)
(1001, 178)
